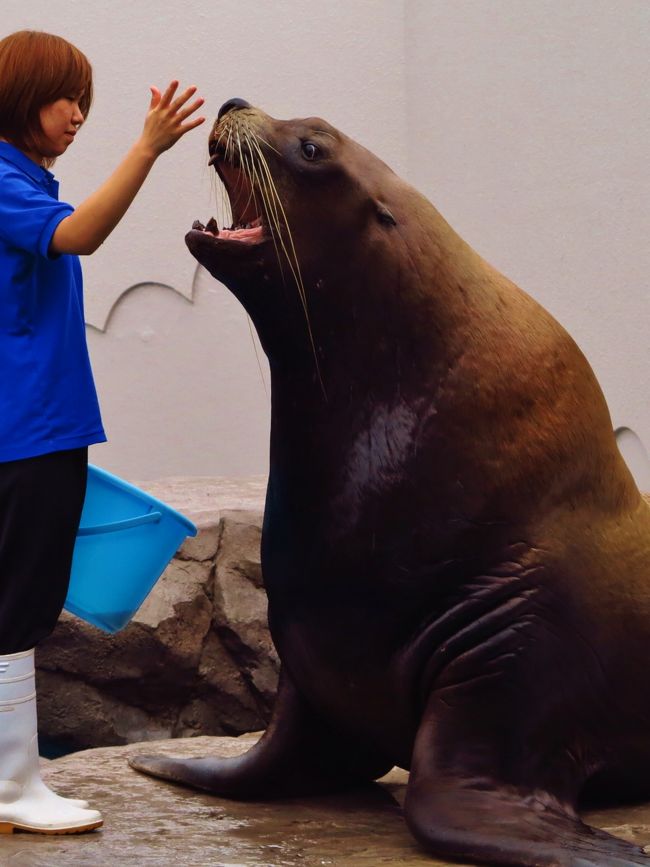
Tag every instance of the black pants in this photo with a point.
(40, 506)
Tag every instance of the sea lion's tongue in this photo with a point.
(245, 236)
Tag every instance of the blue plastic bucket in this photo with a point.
(125, 540)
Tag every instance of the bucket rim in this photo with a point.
(117, 482)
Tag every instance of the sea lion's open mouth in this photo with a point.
(248, 226)
(243, 233)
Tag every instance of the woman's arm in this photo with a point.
(93, 221)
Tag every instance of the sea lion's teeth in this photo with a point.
(197, 224)
(212, 226)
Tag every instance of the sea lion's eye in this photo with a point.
(310, 151)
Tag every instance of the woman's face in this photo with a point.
(60, 121)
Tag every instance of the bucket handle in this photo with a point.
(127, 524)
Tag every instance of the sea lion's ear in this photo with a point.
(385, 215)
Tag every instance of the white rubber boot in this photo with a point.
(26, 803)
(22, 667)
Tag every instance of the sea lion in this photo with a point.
(456, 557)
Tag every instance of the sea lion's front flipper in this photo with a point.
(298, 754)
(459, 807)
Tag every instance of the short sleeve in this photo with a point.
(28, 215)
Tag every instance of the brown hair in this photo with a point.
(36, 69)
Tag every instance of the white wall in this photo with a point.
(525, 121)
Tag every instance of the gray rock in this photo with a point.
(197, 657)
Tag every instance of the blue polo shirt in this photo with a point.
(48, 401)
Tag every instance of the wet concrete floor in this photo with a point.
(148, 822)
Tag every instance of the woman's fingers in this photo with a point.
(168, 94)
(186, 127)
(155, 96)
(191, 108)
(182, 98)
(173, 106)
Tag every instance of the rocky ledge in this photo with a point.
(197, 658)
(149, 823)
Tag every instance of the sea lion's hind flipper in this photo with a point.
(476, 821)
(298, 754)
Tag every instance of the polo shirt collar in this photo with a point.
(18, 158)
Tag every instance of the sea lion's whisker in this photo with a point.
(244, 143)
(260, 182)
(257, 187)
(245, 158)
(239, 191)
(274, 200)
(234, 195)
(248, 170)
(226, 210)
(226, 198)
(257, 355)
(292, 258)
(270, 213)
(221, 135)
(223, 200)
(229, 144)
(221, 197)
(266, 183)
(258, 137)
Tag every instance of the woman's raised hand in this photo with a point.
(167, 118)
(92, 222)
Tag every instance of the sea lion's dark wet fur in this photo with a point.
(456, 557)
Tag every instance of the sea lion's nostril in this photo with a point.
(233, 103)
